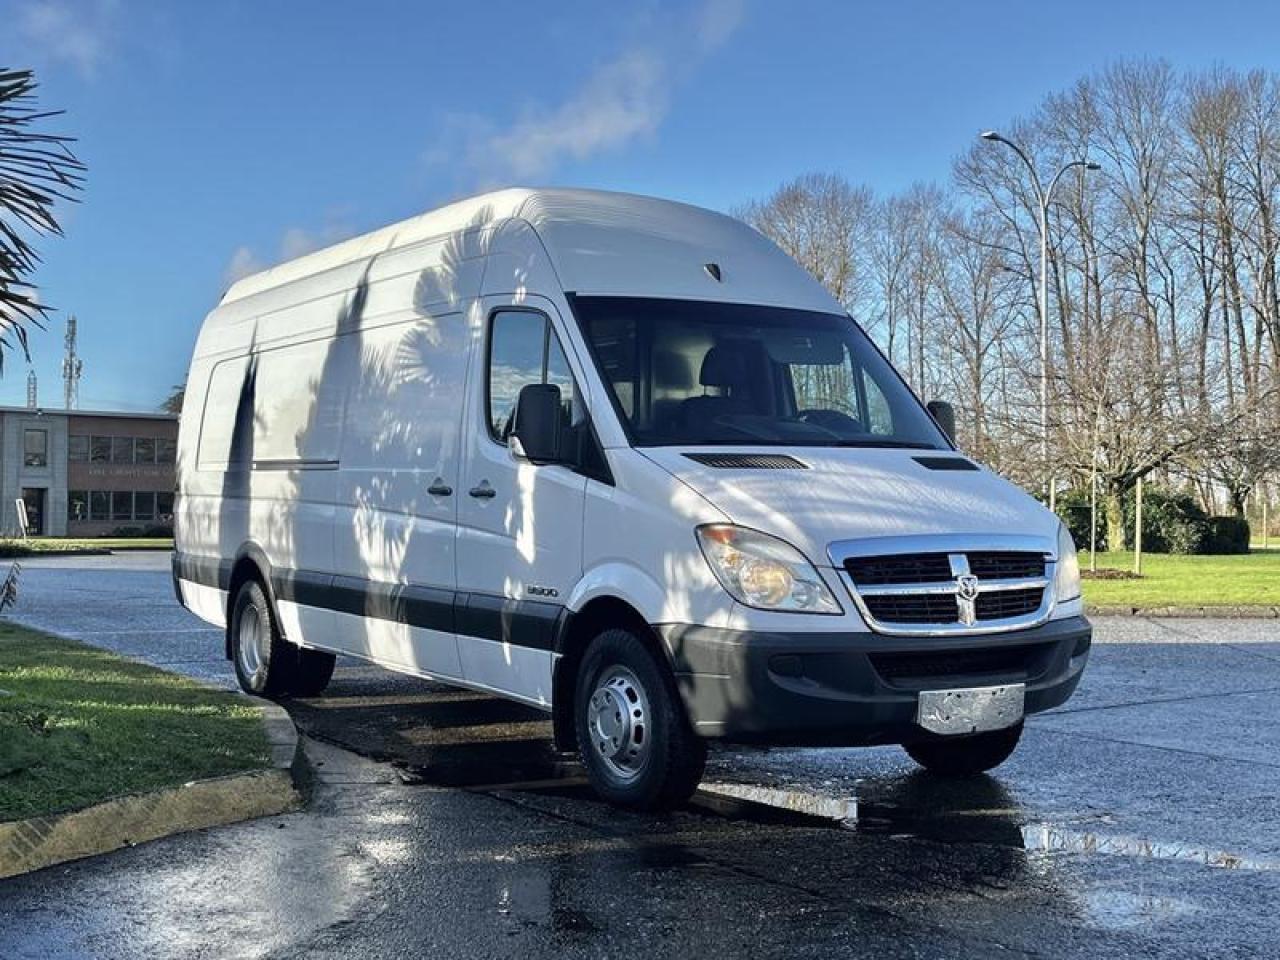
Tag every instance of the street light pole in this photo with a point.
(1043, 197)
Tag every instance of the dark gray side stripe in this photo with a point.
(206, 571)
(523, 623)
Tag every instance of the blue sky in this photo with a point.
(221, 137)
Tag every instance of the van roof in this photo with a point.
(598, 242)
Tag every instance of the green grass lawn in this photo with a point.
(13, 547)
(1242, 580)
(79, 725)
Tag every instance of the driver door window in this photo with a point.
(523, 350)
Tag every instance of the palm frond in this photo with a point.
(37, 169)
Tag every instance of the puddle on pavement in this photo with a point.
(1124, 910)
(1053, 839)
(438, 736)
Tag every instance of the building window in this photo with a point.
(166, 450)
(144, 505)
(164, 506)
(121, 505)
(100, 450)
(99, 505)
(77, 506)
(122, 449)
(35, 448)
(144, 450)
(78, 449)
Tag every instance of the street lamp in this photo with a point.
(1043, 197)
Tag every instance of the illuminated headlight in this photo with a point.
(763, 571)
(1066, 581)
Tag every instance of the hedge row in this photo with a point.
(1171, 523)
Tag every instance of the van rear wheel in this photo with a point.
(312, 672)
(266, 664)
(633, 735)
(965, 756)
(260, 654)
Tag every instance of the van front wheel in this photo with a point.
(633, 736)
(965, 756)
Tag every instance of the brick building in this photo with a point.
(85, 473)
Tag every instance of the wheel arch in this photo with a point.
(251, 563)
(579, 628)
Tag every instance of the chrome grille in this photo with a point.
(968, 586)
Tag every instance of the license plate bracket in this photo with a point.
(970, 709)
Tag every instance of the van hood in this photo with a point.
(855, 493)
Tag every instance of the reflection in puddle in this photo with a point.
(809, 804)
(1043, 837)
(976, 812)
(1121, 910)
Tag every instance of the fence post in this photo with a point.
(1137, 533)
(1093, 515)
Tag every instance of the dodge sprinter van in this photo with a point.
(623, 460)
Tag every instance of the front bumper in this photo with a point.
(857, 688)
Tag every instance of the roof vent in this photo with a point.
(747, 461)
(945, 463)
(713, 271)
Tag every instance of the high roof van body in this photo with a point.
(623, 460)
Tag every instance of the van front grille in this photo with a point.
(936, 567)
(1003, 604)
(990, 565)
(913, 608)
(961, 590)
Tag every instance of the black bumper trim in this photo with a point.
(822, 688)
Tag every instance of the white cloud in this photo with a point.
(621, 101)
(717, 22)
(243, 263)
(78, 34)
(298, 242)
(294, 242)
(624, 100)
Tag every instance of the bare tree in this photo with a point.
(825, 223)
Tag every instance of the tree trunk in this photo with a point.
(1117, 537)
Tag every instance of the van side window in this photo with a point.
(523, 350)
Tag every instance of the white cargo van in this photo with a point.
(623, 460)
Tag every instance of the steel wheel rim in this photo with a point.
(250, 647)
(618, 722)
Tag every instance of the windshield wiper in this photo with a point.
(903, 444)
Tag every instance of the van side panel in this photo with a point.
(398, 487)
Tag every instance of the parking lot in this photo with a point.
(1141, 819)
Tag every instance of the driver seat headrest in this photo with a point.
(722, 367)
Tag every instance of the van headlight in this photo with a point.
(762, 571)
(1066, 579)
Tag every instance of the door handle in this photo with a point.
(440, 489)
(483, 491)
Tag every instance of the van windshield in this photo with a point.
(691, 372)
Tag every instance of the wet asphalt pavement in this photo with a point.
(1141, 819)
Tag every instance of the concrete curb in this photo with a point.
(27, 845)
(1242, 612)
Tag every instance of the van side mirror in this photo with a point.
(537, 427)
(945, 416)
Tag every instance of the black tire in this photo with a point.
(312, 672)
(668, 768)
(965, 756)
(263, 659)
